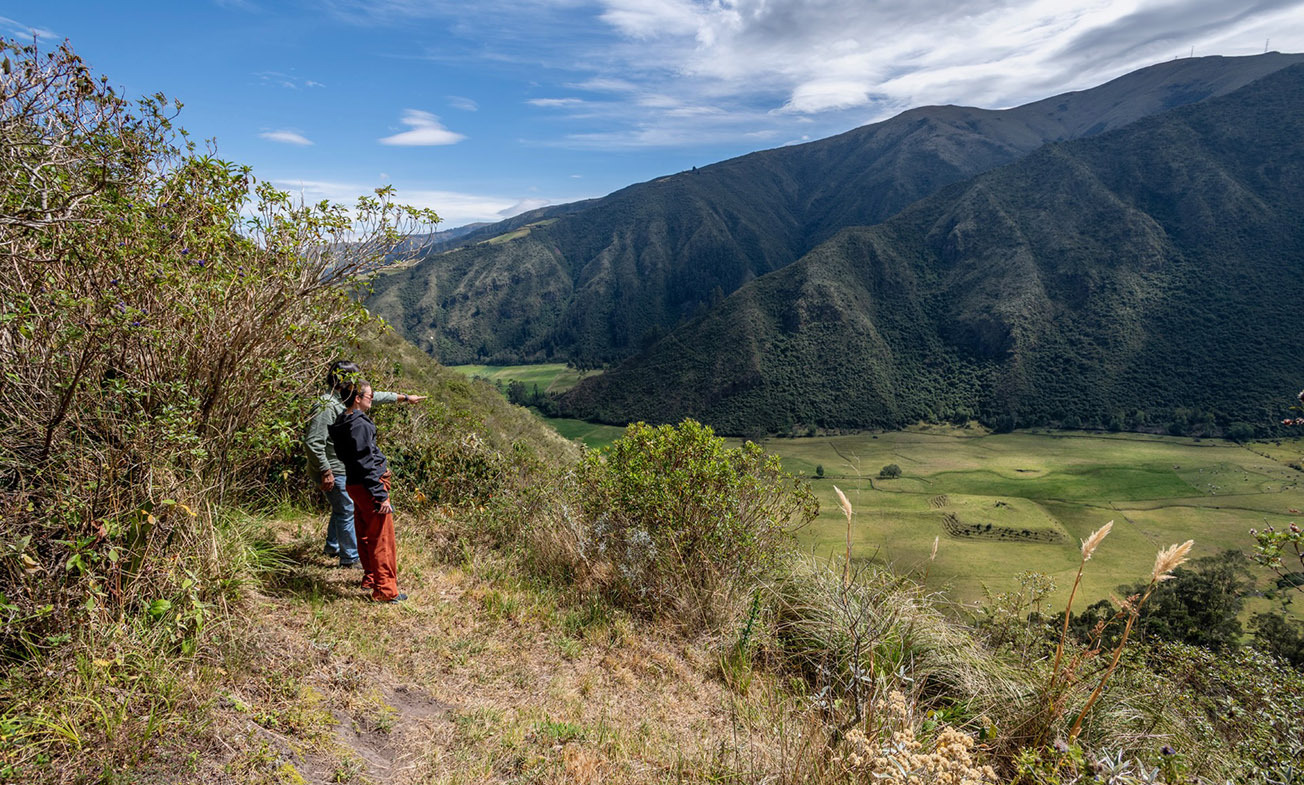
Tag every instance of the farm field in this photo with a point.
(1003, 504)
(593, 435)
(551, 377)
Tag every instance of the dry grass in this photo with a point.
(485, 674)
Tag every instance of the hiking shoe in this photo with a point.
(395, 601)
(356, 564)
(330, 552)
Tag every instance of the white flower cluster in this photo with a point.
(901, 758)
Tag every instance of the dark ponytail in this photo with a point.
(344, 377)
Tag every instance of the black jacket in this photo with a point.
(354, 437)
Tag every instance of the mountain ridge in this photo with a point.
(598, 281)
(1145, 269)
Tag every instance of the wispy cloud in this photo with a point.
(27, 32)
(605, 85)
(424, 130)
(465, 104)
(453, 207)
(288, 81)
(555, 103)
(286, 136)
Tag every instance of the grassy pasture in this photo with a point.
(592, 435)
(551, 377)
(1157, 490)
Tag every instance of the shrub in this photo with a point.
(672, 521)
(159, 342)
(889, 472)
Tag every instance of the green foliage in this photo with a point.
(160, 335)
(1200, 605)
(889, 472)
(1279, 636)
(684, 523)
(1242, 706)
(1281, 550)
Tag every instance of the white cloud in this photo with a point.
(605, 85)
(465, 104)
(657, 18)
(554, 103)
(288, 81)
(523, 206)
(453, 207)
(425, 131)
(286, 137)
(823, 95)
(855, 61)
(691, 72)
(25, 33)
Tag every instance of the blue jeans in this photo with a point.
(340, 534)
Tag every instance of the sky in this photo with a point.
(484, 109)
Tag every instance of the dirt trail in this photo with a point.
(483, 675)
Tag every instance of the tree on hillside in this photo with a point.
(889, 472)
(1279, 636)
(1201, 603)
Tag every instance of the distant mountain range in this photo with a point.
(1156, 267)
(689, 279)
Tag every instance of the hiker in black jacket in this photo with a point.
(367, 483)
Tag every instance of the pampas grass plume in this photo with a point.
(1170, 559)
(846, 510)
(1090, 544)
(842, 499)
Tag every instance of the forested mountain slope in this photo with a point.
(599, 281)
(1147, 268)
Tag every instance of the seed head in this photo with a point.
(1090, 544)
(842, 499)
(1169, 559)
(933, 555)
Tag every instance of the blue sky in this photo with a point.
(483, 109)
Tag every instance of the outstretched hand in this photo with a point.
(416, 398)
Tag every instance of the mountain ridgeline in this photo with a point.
(1152, 267)
(603, 280)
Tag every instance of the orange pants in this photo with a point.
(376, 545)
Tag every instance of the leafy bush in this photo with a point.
(889, 472)
(674, 522)
(160, 344)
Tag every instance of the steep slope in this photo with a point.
(600, 281)
(1148, 268)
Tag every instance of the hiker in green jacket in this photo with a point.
(341, 537)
